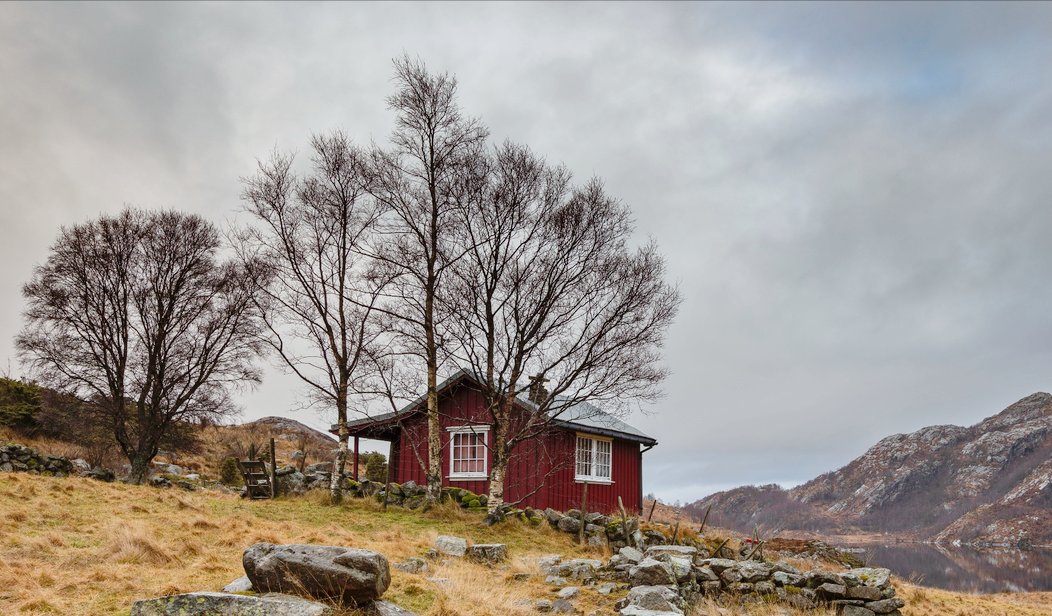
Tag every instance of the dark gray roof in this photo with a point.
(582, 416)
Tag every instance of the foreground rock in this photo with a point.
(451, 546)
(347, 575)
(226, 604)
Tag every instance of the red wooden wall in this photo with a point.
(541, 470)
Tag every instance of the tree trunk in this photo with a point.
(338, 465)
(499, 473)
(434, 437)
(140, 467)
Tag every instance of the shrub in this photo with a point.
(19, 403)
(229, 473)
(375, 467)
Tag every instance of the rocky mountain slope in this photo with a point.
(989, 483)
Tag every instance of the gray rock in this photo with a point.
(562, 606)
(488, 553)
(877, 577)
(711, 587)
(867, 593)
(630, 554)
(414, 564)
(682, 567)
(451, 546)
(763, 587)
(754, 571)
(854, 610)
(386, 608)
(549, 563)
(731, 576)
(348, 575)
(634, 610)
(782, 578)
(886, 606)
(226, 604)
(830, 591)
(656, 598)
(719, 564)
(583, 569)
(674, 550)
(80, 465)
(784, 567)
(817, 577)
(569, 525)
(605, 589)
(705, 574)
(543, 605)
(650, 572)
(555, 580)
(569, 592)
(597, 541)
(800, 601)
(241, 584)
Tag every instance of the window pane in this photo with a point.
(602, 459)
(584, 456)
(468, 452)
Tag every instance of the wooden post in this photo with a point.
(584, 512)
(356, 478)
(273, 471)
(653, 504)
(387, 486)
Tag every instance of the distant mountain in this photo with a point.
(290, 430)
(990, 483)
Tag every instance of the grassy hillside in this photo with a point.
(76, 546)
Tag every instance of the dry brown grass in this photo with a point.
(79, 547)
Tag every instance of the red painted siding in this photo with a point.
(540, 472)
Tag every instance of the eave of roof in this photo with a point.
(583, 416)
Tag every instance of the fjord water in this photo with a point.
(965, 569)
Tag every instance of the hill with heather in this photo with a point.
(990, 483)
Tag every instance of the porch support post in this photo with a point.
(356, 458)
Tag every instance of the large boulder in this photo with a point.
(656, 598)
(451, 546)
(651, 572)
(488, 553)
(226, 604)
(874, 577)
(631, 554)
(347, 575)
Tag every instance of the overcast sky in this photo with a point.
(856, 200)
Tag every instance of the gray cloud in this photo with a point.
(854, 198)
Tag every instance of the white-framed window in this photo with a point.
(594, 459)
(467, 452)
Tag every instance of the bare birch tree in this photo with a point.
(320, 296)
(137, 315)
(412, 181)
(549, 289)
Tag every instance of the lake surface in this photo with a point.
(966, 569)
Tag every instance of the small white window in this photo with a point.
(593, 459)
(467, 452)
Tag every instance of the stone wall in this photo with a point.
(19, 458)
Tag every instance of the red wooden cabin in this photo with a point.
(582, 445)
